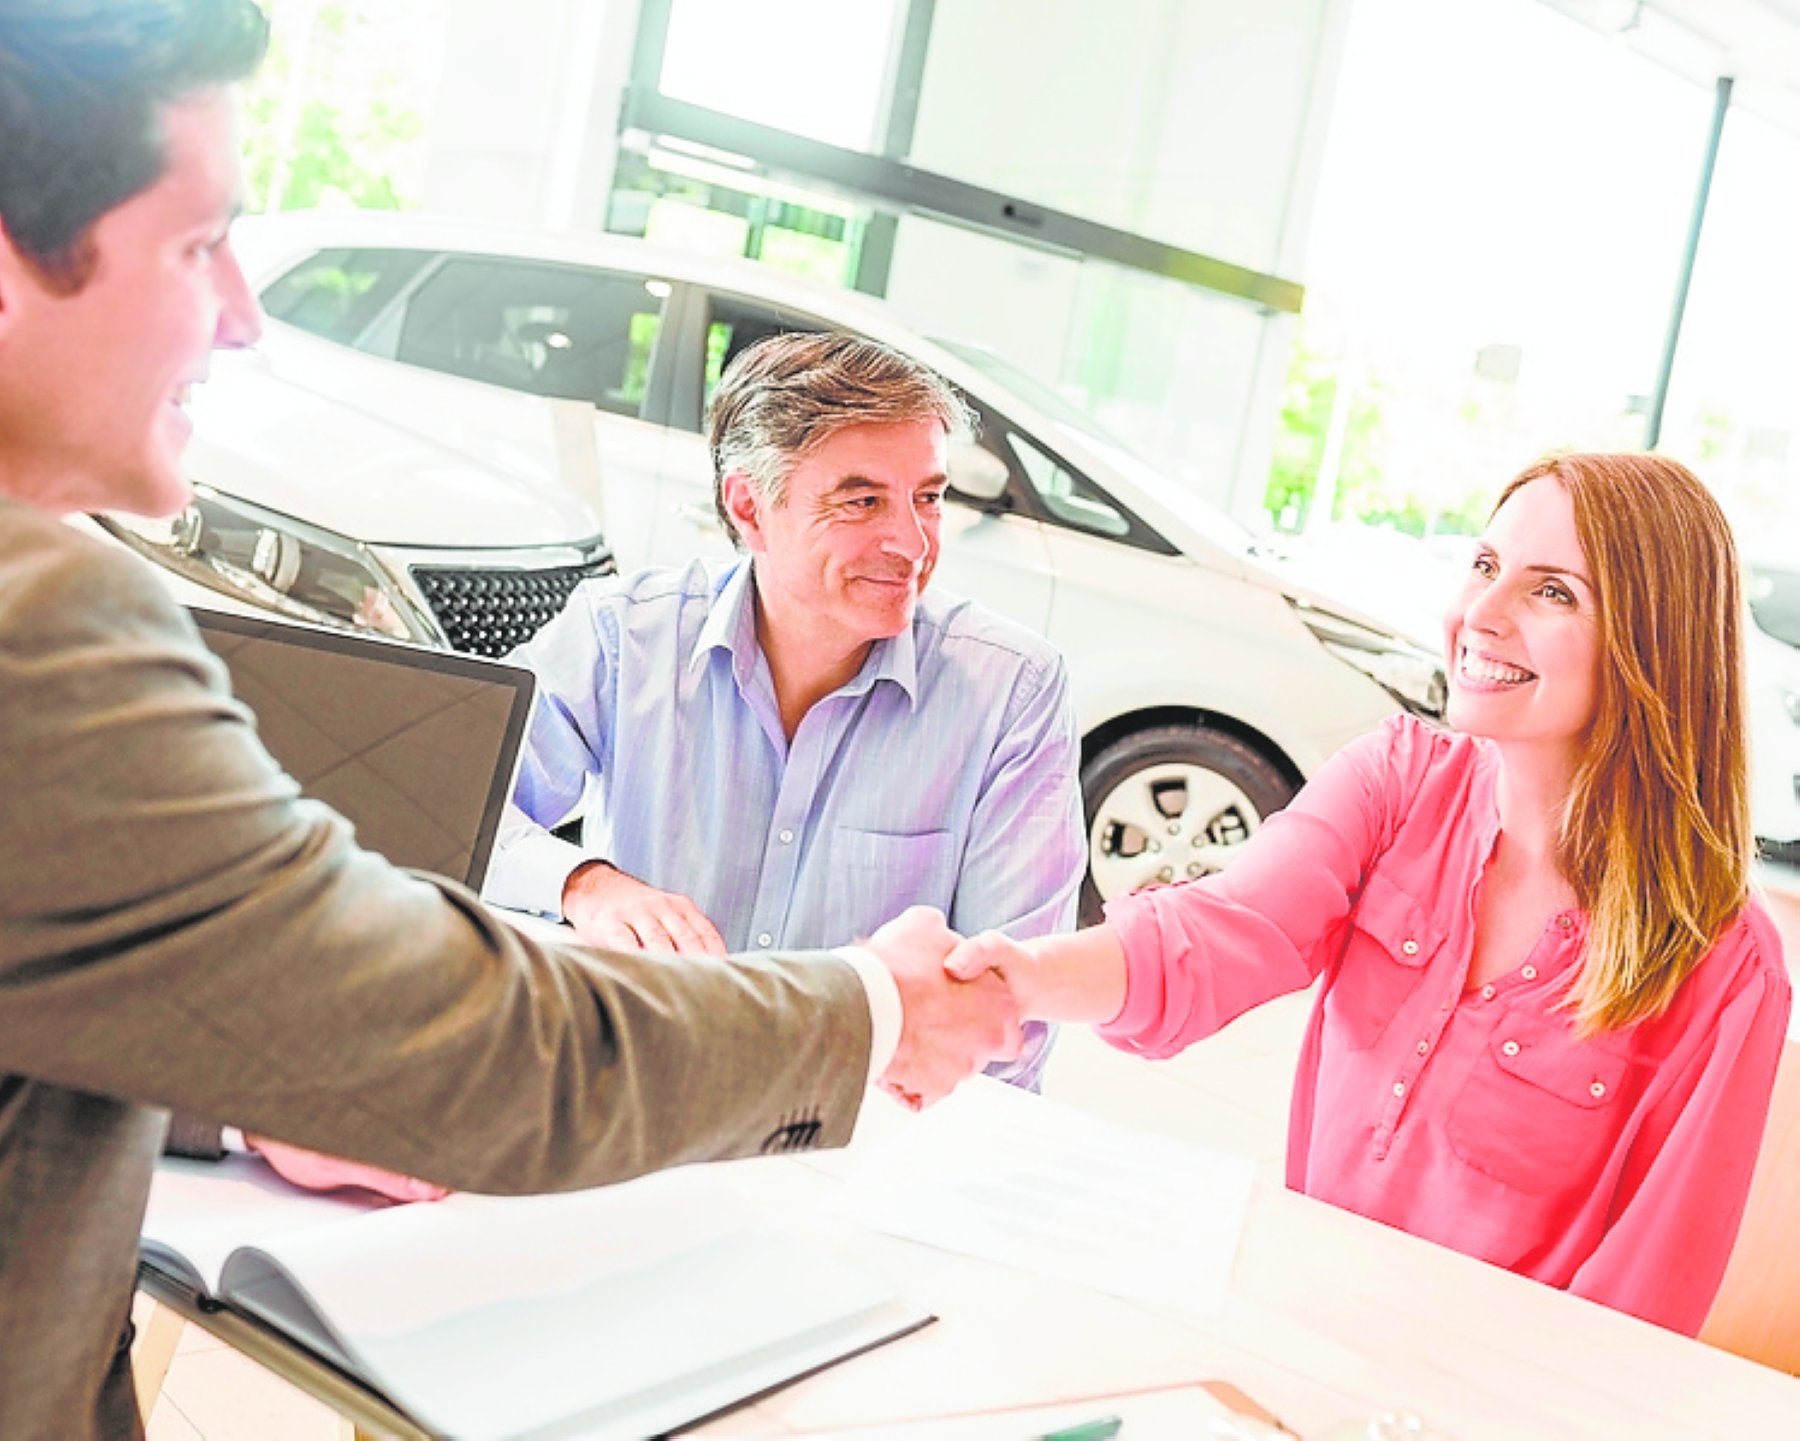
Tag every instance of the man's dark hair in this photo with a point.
(82, 86)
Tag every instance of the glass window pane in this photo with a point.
(552, 330)
(1066, 496)
(817, 68)
(1184, 121)
(734, 325)
(337, 293)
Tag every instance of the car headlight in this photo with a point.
(1409, 673)
(275, 562)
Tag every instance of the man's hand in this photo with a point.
(611, 909)
(950, 1028)
(312, 1171)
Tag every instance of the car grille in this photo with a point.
(488, 612)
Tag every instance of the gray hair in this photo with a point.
(783, 397)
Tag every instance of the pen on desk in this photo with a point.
(1101, 1429)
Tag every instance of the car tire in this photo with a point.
(1171, 803)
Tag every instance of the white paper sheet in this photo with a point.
(201, 1211)
(612, 1313)
(999, 1173)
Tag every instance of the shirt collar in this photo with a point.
(731, 627)
(730, 623)
(894, 658)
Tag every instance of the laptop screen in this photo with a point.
(416, 748)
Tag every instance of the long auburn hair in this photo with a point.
(1656, 837)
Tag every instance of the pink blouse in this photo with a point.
(1616, 1167)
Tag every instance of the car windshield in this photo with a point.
(1032, 390)
(1210, 521)
(1775, 602)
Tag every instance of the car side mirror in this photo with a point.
(978, 473)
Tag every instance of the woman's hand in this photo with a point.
(1051, 978)
(997, 952)
(314, 1171)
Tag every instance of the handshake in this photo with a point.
(960, 1006)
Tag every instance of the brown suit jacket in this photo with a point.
(176, 932)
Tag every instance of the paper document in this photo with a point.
(614, 1313)
(1002, 1174)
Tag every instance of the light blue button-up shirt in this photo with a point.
(944, 773)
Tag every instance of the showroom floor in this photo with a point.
(213, 1394)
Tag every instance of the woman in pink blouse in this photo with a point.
(1549, 1010)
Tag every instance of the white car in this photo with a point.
(1774, 691)
(1207, 681)
(325, 513)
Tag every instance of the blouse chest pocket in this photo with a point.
(1391, 941)
(1540, 1109)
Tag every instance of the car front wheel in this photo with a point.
(1171, 803)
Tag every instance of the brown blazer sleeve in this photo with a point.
(180, 929)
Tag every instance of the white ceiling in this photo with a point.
(1755, 42)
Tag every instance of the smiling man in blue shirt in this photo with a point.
(788, 750)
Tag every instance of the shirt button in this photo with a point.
(1424, 1046)
(1597, 1090)
(1410, 947)
(765, 940)
(1509, 1048)
(1487, 993)
(1399, 1088)
(1530, 973)
(786, 838)
(1564, 922)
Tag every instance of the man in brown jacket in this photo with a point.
(174, 930)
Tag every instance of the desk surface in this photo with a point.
(1331, 1318)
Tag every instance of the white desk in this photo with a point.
(1331, 1317)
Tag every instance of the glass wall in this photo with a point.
(1145, 130)
(1502, 212)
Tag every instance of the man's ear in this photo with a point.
(9, 275)
(16, 273)
(744, 504)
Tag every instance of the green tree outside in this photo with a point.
(337, 114)
(1307, 402)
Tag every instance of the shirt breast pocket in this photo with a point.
(1390, 942)
(883, 872)
(1540, 1108)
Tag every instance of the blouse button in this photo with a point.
(1564, 922)
(1410, 947)
(1399, 1088)
(1424, 1046)
(1487, 993)
(1530, 973)
(1509, 1048)
(1597, 1090)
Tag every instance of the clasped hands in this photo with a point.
(959, 1015)
(960, 1009)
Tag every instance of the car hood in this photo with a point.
(290, 450)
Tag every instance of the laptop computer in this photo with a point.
(417, 748)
